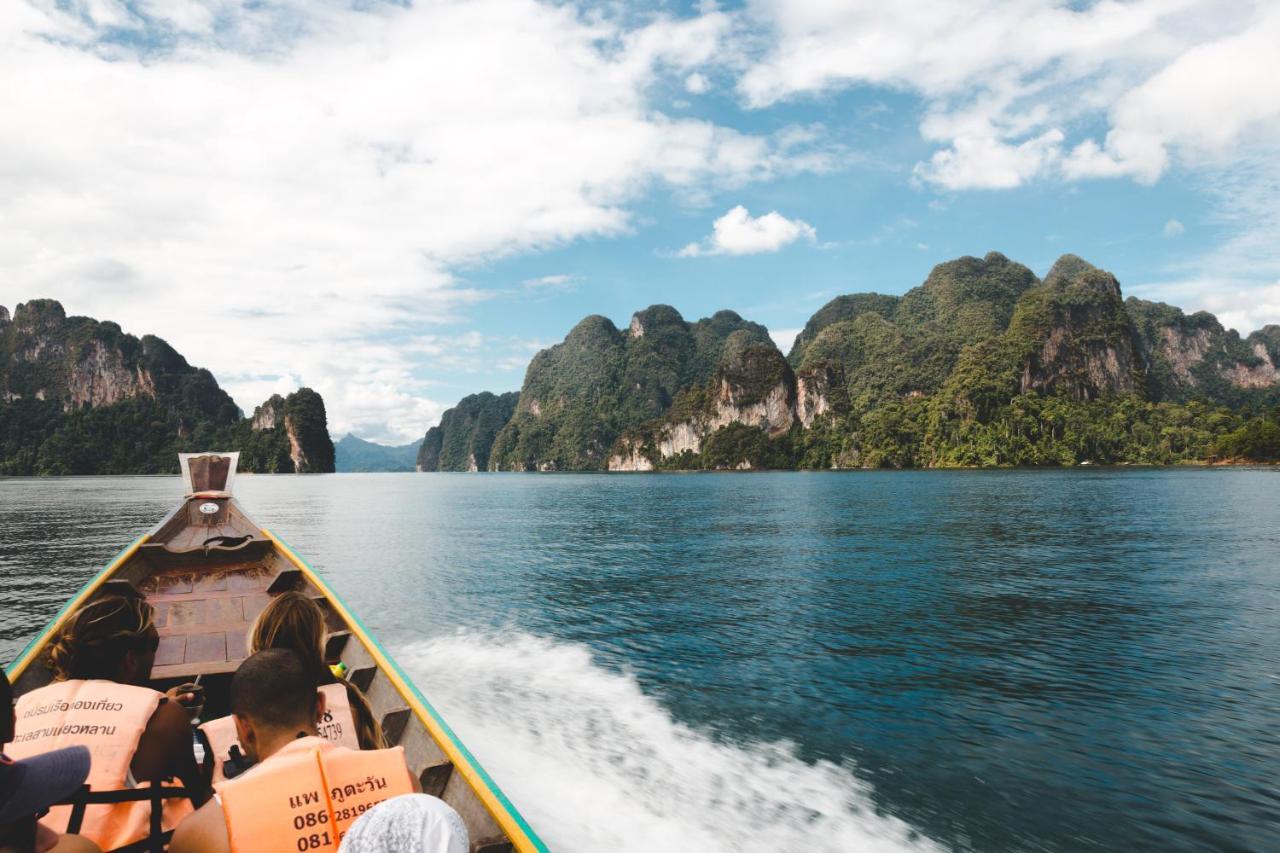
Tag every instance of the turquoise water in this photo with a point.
(993, 661)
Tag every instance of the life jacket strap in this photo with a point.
(156, 792)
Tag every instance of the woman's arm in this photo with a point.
(165, 751)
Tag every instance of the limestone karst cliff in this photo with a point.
(580, 395)
(464, 437)
(982, 364)
(1079, 340)
(1189, 355)
(299, 427)
(752, 386)
(79, 396)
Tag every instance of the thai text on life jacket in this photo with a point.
(307, 795)
(108, 718)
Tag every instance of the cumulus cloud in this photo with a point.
(1173, 228)
(284, 189)
(1005, 83)
(1203, 103)
(1016, 92)
(739, 233)
(984, 161)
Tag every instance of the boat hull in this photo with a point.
(208, 572)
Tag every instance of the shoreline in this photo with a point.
(1118, 466)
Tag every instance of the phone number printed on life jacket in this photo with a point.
(316, 818)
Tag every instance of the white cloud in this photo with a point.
(983, 161)
(283, 190)
(1173, 228)
(696, 83)
(1005, 84)
(784, 338)
(1042, 89)
(1238, 304)
(1204, 103)
(550, 284)
(739, 233)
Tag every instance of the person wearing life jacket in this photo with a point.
(295, 622)
(102, 658)
(29, 787)
(303, 791)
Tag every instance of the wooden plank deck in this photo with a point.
(203, 616)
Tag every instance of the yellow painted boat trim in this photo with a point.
(518, 831)
(38, 642)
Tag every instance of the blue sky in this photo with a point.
(398, 204)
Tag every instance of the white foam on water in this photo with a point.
(594, 764)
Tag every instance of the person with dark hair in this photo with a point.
(28, 788)
(102, 658)
(304, 791)
(295, 622)
(273, 701)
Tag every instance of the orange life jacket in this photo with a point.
(108, 718)
(337, 725)
(306, 796)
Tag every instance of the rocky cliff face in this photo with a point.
(269, 415)
(869, 349)
(79, 362)
(753, 386)
(464, 438)
(947, 367)
(580, 395)
(1081, 340)
(1265, 343)
(300, 420)
(1193, 355)
(80, 396)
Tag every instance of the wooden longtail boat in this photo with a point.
(209, 570)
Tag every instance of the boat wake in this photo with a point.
(595, 764)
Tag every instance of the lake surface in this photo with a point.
(990, 661)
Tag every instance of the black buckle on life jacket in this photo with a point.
(237, 762)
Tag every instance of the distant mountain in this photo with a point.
(354, 455)
(982, 364)
(79, 396)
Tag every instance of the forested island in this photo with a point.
(984, 364)
(79, 396)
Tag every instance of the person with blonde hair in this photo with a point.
(100, 699)
(303, 791)
(294, 622)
